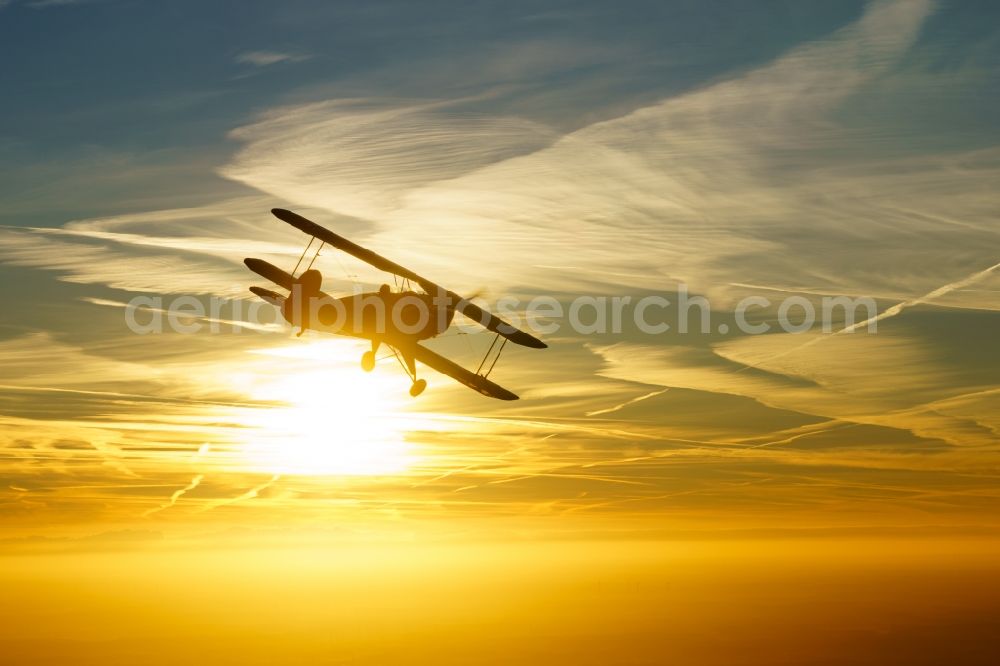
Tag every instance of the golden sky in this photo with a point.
(663, 476)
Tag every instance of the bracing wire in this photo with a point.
(402, 364)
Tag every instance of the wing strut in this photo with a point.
(495, 358)
(299, 262)
(316, 256)
(306, 251)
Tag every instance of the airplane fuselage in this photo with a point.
(384, 316)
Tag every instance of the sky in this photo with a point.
(566, 150)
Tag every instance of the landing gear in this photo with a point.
(368, 359)
(405, 356)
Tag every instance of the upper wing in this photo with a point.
(341, 243)
(457, 372)
(469, 309)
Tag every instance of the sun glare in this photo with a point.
(333, 419)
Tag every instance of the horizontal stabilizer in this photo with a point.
(271, 297)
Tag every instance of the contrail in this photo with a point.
(889, 312)
(930, 296)
(250, 494)
(191, 486)
(615, 408)
(177, 495)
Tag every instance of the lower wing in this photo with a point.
(460, 374)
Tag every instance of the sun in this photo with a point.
(330, 417)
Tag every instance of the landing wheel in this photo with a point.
(368, 361)
(418, 387)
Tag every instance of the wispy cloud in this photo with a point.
(896, 381)
(266, 58)
(754, 180)
(380, 155)
(272, 327)
(688, 185)
(190, 250)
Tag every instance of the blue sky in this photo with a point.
(148, 85)
(148, 90)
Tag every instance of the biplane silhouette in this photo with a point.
(399, 319)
